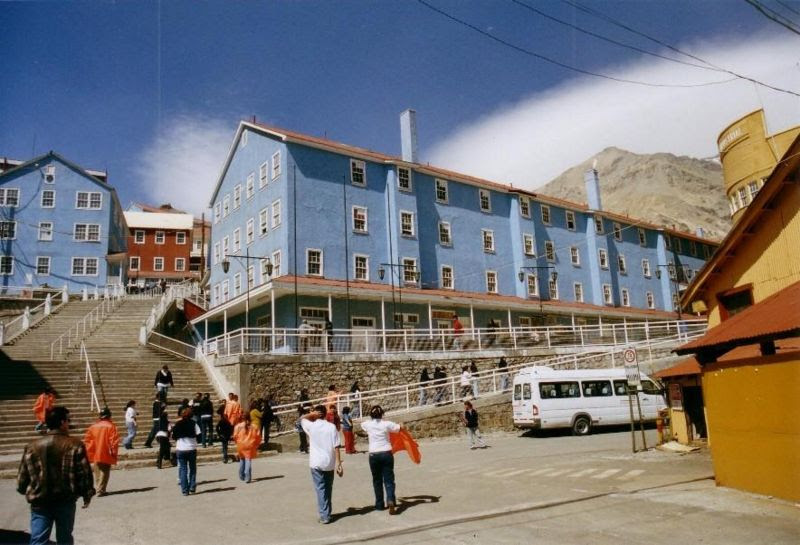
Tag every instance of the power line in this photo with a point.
(556, 62)
(615, 22)
(774, 16)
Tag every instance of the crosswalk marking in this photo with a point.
(606, 473)
(631, 474)
(582, 473)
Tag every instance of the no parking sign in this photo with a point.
(632, 367)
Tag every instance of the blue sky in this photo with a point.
(153, 91)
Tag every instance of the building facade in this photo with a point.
(159, 247)
(375, 241)
(61, 225)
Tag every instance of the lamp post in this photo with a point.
(553, 278)
(673, 276)
(226, 265)
(382, 273)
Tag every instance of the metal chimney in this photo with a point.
(592, 183)
(408, 135)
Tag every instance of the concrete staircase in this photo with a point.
(122, 370)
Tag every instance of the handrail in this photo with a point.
(173, 346)
(29, 318)
(92, 318)
(89, 378)
(173, 292)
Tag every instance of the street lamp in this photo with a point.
(226, 265)
(674, 277)
(382, 273)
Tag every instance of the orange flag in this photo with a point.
(402, 440)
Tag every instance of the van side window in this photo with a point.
(549, 390)
(517, 392)
(648, 387)
(596, 388)
(526, 391)
(621, 387)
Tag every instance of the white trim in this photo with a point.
(544, 208)
(276, 263)
(357, 165)
(452, 277)
(449, 242)
(163, 237)
(2, 229)
(622, 264)
(649, 300)
(642, 236)
(487, 235)
(321, 262)
(616, 227)
(445, 186)
(366, 267)
(250, 231)
(263, 222)
(625, 297)
(527, 201)
(534, 284)
(250, 186)
(413, 232)
(237, 196)
(39, 231)
(647, 272)
(569, 217)
(263, 175)
(276, 164)
(41, 201)
(237, 284)
(156, 268)
(608, 294)
(12, 261)
(87, 228)
(4, 197)
(276, 205)
(410, 187)
(47, 257)
(85, 266)
(136, 235)
(363, 209)
(488, 195)
(177, 235)
(88, 200)
(549, 251)
(182, 262)
(493, 274)
(138, 263)
(575, 256)
(577, 289)
(237, 240)
(528, 251)
(602, 255)
(414, 269)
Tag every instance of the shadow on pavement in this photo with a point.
(412, 501)
(268, 478)
(212, 490)
(352, 511)
(209, 482)
(128, 491)
(14, 537)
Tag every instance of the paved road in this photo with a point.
(555, 489)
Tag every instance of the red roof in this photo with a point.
(776, 317)
(689, 366)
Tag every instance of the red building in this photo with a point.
(159, 246)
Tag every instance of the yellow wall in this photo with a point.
(768, 259)
(748, 154)
(753, 412)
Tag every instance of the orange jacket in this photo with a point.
(402, 440)
(233, 411)
(247, 441)
(102, 442)
(43, 403)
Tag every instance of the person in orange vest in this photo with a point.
(233, 410)
(248, 438)
(44, 403)
(102, 447)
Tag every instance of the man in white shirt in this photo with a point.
(324, 457)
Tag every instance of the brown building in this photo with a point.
(159, 247)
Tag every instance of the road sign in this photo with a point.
(632, 367)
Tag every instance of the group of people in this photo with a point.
(433, 388)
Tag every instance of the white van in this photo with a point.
(579, 399)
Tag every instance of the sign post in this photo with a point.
(633, 375)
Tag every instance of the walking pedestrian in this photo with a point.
(502, 365)
(224, 433)
(381, 459)
(301, 411)
(465, 382)
(182, 407)
(305, 331)
(424, 382)
(233, 410)
(267, 416)
(347, 431)
(458, 331)
(470, 420)
(439, 379)
(247, 437)
(256, 415)
(162, 436)
(163, 382)
(44, 403)
(324, 458)
(156, 411)
(102, 447)
(206, 420)
(332, 397)
(329, 334)
(473, 369)
(355, 399)
(130, 424)
(185, 433)
(53, 474)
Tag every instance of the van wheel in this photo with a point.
(581, 426)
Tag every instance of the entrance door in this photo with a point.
(364, 337)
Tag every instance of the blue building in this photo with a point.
(60, 224)
(327, 230)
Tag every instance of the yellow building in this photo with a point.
(748, 155)
(750, 357)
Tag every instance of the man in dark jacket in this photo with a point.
(154, 428)
(164, 382)
(53, 474)
(207, 419)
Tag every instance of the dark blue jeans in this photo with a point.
(43, 517)
(224, 449)
(207, 430)
(381, 464)
(187, 470)
(323, 486)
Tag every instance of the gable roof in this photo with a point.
(96, 176)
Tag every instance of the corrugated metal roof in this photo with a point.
(689, 366)
(158, 220)
(776, 317)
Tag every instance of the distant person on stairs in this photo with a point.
(44, 403)
(207, 419)
(130, 423)
(164, 382)
(148, 443)
(102, 447)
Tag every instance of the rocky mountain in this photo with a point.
(661, 188)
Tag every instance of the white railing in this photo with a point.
(83, 327)
(28, 292)
(448, 390)
(89, 378)
(173, 346)
(361, 341)
(29, 318)
(172, 293)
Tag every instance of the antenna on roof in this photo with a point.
(254, 118)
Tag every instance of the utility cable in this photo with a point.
(774, 16)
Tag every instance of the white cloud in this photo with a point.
(531, 142)
(181, 164)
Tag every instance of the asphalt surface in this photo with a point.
(521, 489)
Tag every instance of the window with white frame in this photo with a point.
(646, 268)
(361, 267)
(226, 290)
(577, 291)
(251, 275)
(215, 298)
(250, 186)
(642, 237)
(225, 246)
(263, 222)
(491, 281)
(276, 164)
(358, 174)
(447, 277)
(574, 255)
(250, 230)
(10, 197)
(8, 230)
(598, 225)
(237, 196)
(158, 263)
(444, 234)
(180, 237)
(314, 262)
(276, 263)
(262, 175)
(7, 265)
(86, 232)
(441, 190)
(488, 240)
(602, 256)
(48, 198)
(650, 300)
(217, 212)
(95, 200)
(752, 187)
(553, 288)
(409, 270)
(404, 178)
(45, 230)
(617, 231)
(622, 265)
(262, 269)
(237, 284)
(570, 217)
(626, 297)
(545, 214)
(359, 219)
(160, 237)
(134, 263)
(180, 264)
(525, 207)
(528, 246)
(607, 298)
(226, 206)
(549, 250)
(237, 240)
(276, 214)
(217, 257)
(89, 200)
(84, 266)
(43, 265)
(532, 284)
(744, 198)
(485, 200)
(406, 224)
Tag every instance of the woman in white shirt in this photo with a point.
(381, 459)
(130, 423)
